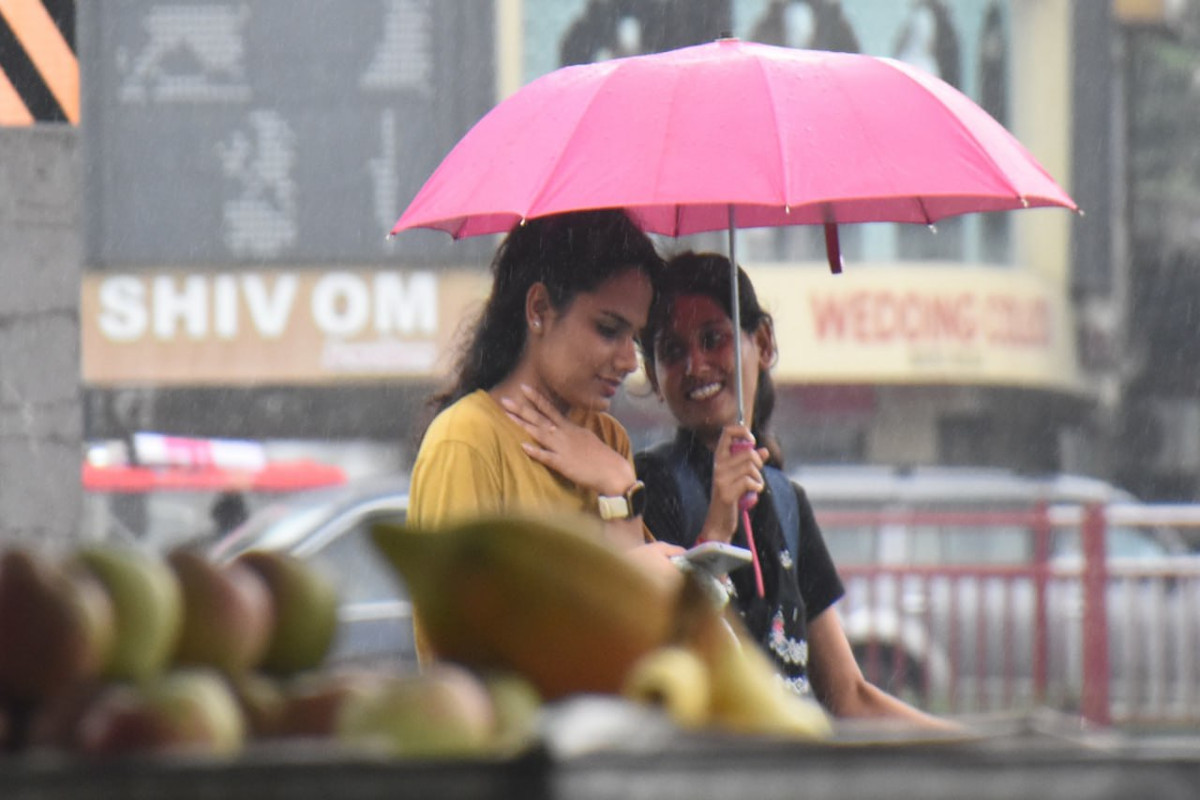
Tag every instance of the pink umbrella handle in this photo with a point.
(749, 499)
(745, 503)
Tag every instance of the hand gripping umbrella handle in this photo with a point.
(749, 499)
(745, 503)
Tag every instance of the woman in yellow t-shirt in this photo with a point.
(555, 339)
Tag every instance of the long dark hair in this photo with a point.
(707, 274)
(569, 253)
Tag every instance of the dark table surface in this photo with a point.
(1019, 757)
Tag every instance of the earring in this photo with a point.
(537, 324)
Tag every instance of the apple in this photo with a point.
(314, 700)
(262, 700)
(517, 706)
(186, 710)
(148, 606)
(56, 627)
(305, 604)
(227, 613)
(445, 711)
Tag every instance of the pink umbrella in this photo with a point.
(733, 134)
(784, 136)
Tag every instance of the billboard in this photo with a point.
(233, 133)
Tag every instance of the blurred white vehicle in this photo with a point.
(329, 528)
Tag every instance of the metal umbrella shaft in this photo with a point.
(749, 499)
(735, 312)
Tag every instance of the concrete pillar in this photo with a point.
(41, 421)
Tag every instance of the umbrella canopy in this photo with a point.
(687, 139)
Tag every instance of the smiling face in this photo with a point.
(582, 352)
(694, 365)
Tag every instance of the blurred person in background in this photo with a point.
(227, 512)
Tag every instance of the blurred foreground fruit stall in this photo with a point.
(564, 671)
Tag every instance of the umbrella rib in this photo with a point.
(663, 143)
(924, 210)
(783, 159)
(997, 170)
(553, 166)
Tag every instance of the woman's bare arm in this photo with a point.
(839, 683)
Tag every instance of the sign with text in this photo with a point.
(911, 324)
(874, 324)
(271, 327)
(231, 133)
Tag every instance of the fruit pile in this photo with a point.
(543, 598)
(112, 650)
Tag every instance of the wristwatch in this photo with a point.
(624, 506)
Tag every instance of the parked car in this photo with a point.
(329, 528)
(941, 573)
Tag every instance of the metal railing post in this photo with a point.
(1041, 577)
(1095, 700)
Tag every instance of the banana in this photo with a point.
(677, 680)
(540, 596)
(747, 694)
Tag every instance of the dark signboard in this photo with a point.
(278, 131)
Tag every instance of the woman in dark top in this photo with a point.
(693, 483)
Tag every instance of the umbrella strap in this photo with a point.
(833, 248)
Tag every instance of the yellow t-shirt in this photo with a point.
(471, 463)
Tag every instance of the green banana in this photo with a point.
(541, 596)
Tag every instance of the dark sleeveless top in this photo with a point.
(799, 581)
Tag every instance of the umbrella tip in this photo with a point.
(725, 36)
